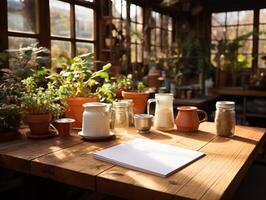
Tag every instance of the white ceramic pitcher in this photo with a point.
(96, 119)
(164, 114)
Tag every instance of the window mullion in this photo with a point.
(255, 46)
(3, 25)
(72, 29)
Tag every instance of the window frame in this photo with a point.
(255, 40)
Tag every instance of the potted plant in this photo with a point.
(10, 112)
(40, 105)
(81, 84)
(135, 90)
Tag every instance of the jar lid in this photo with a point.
(120, 104)
(225, 104)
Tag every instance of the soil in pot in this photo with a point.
(139, 100)
(39, 124)
(75, 108)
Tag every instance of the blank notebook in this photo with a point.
(148, 156)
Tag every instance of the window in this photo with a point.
(262, 38)
(72, 29)
(22, 29)
(136, 28)
(161, 34)
(229, 25)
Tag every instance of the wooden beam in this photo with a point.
(3, 26)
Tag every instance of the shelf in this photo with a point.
(106, 50)
(255, 115)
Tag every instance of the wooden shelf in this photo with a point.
(256, 115)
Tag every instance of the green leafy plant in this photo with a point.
(78, 79)
(228, 57)
(129, 83)
(9, 117)
(10, 92)
(24, 61)
(38, 100)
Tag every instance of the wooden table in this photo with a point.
(70, 160)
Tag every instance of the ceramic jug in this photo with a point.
(96, 119)
(164, 115)
(187, 119)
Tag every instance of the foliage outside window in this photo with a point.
(67, 40)
(227, 26)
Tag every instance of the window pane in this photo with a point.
(60, 49)
(158, 37)
(244, 30)
(218, 33)
(263, 31)
(262, 46)
(17, 42)
(133, 53)
(165, 21)
(139, 48)
(21, 15)
(262, 15)
(124, 9)
(84, 22)
(117, 8)
(139, 32)
(153, 36)
(133, 13)
(170, 24)
(245, 17)
(139, 14)
(169, 39)
(218, 19)
(247, 47)
(84, 48)
(231, 32)
(232, 18)
(60, 18)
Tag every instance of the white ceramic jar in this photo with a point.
(96, 120)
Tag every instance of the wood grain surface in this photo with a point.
(70, 160)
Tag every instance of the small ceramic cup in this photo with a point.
(143, 122)
(63, 126)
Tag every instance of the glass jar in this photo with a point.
(130, 104)
(225, 118)
(119, 116)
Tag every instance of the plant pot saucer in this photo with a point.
(51, 133)
(111, 136)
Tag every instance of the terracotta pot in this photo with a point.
(153, 80)
(39, 124)
(187, 119)
(8, 136)
(139, 100)
(75, 108)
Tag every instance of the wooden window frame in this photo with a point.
(43, 31)
(255, 40)
(162, 29)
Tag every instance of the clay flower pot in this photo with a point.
(139, 100)
(39, 123)
(75, 108)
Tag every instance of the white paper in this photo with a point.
(148, 156)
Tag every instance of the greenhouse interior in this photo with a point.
(132, 99)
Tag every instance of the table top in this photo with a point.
(70, 160)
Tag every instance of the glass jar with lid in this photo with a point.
(225, 118)
(119, 116)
